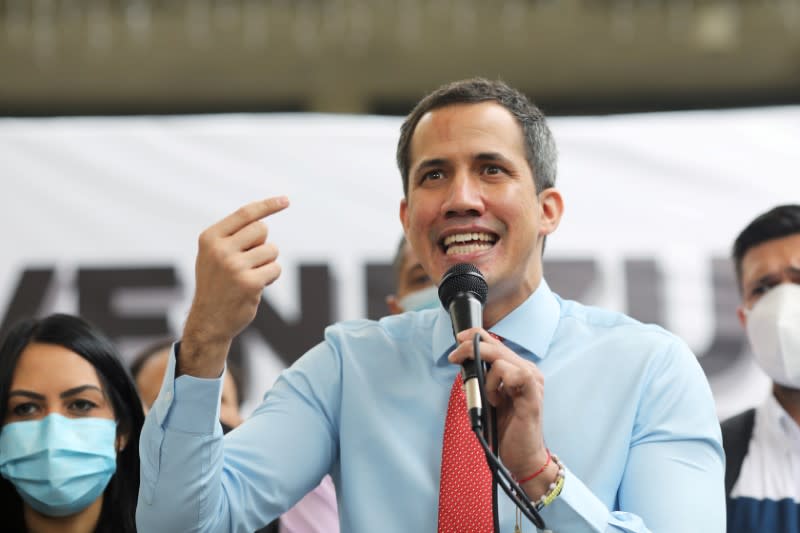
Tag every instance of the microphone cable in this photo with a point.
(500, 474)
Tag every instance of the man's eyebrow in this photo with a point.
(482, 156)
(491, 156)
(760, 281)
(416, 269)
(427, 163)
(26, 394)
(790, 270)
(77, 390)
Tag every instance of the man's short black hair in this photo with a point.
(540, 147)
(780, 221)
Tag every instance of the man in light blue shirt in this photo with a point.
(626, 406)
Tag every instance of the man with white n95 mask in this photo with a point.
(762, 445)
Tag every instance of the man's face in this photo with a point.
(766, 265)
(412, 277)
(471, 198)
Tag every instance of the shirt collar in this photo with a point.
(530, 326)
(781, 422)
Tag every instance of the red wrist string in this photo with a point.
(525, 480)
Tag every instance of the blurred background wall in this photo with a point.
(379, 56)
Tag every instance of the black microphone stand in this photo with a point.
(500, 474)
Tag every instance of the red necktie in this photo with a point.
(465, 493)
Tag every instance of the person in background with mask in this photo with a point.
(69, 441)
(762, 445)
(315, 513)
(414, 289)
(148, 372)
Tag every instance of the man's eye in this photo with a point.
(432, 175)
(421, 280)
(758, 291)
(493, 170)
(761, 289)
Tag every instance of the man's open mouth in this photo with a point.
(467, 243)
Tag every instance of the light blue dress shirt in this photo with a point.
(627, 409)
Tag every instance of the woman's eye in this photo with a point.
(82, 406)
(25, 409)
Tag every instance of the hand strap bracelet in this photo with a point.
(536, 474)
(554, 488)
(552, 493)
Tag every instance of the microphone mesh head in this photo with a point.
(463, 277)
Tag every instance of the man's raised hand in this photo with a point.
(234, 264)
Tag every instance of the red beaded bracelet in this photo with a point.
(525, 480)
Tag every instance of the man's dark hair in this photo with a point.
(540, 147)
(119, 502)
(778, 222)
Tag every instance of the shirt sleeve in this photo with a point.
(673, 478)
(193, 479)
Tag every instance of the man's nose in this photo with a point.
(465, 196)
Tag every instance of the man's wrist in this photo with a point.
(201, 355)
(539, 485)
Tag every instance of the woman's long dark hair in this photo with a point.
(119, 501)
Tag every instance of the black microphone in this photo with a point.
(462, 292)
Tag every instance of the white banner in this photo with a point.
(101, 217)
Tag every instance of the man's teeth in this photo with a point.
(468, 243)
(465, 237)
(467, 248)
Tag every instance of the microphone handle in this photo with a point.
(466, 312)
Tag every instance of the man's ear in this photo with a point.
(551, 205)
(404, 214)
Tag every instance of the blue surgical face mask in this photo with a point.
(427, 298)
(59, 465)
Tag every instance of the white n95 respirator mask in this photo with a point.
(773, 328)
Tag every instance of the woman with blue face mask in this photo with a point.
(69, 440)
